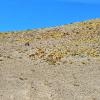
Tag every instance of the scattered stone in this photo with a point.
(27, 44)
(1, 60)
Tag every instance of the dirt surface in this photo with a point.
(56, 63)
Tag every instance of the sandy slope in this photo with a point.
(57, 63)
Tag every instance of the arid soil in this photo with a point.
(56, 63)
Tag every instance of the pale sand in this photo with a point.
(56, 67)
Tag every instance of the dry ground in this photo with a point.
(57, 63)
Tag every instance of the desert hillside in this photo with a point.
(56, 63)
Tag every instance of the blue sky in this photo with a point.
(28, 14)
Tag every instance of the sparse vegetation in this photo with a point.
(57, 63)
(82, 40)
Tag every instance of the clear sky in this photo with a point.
(28, 14)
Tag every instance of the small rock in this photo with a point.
(27, 44)
(1, 60)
